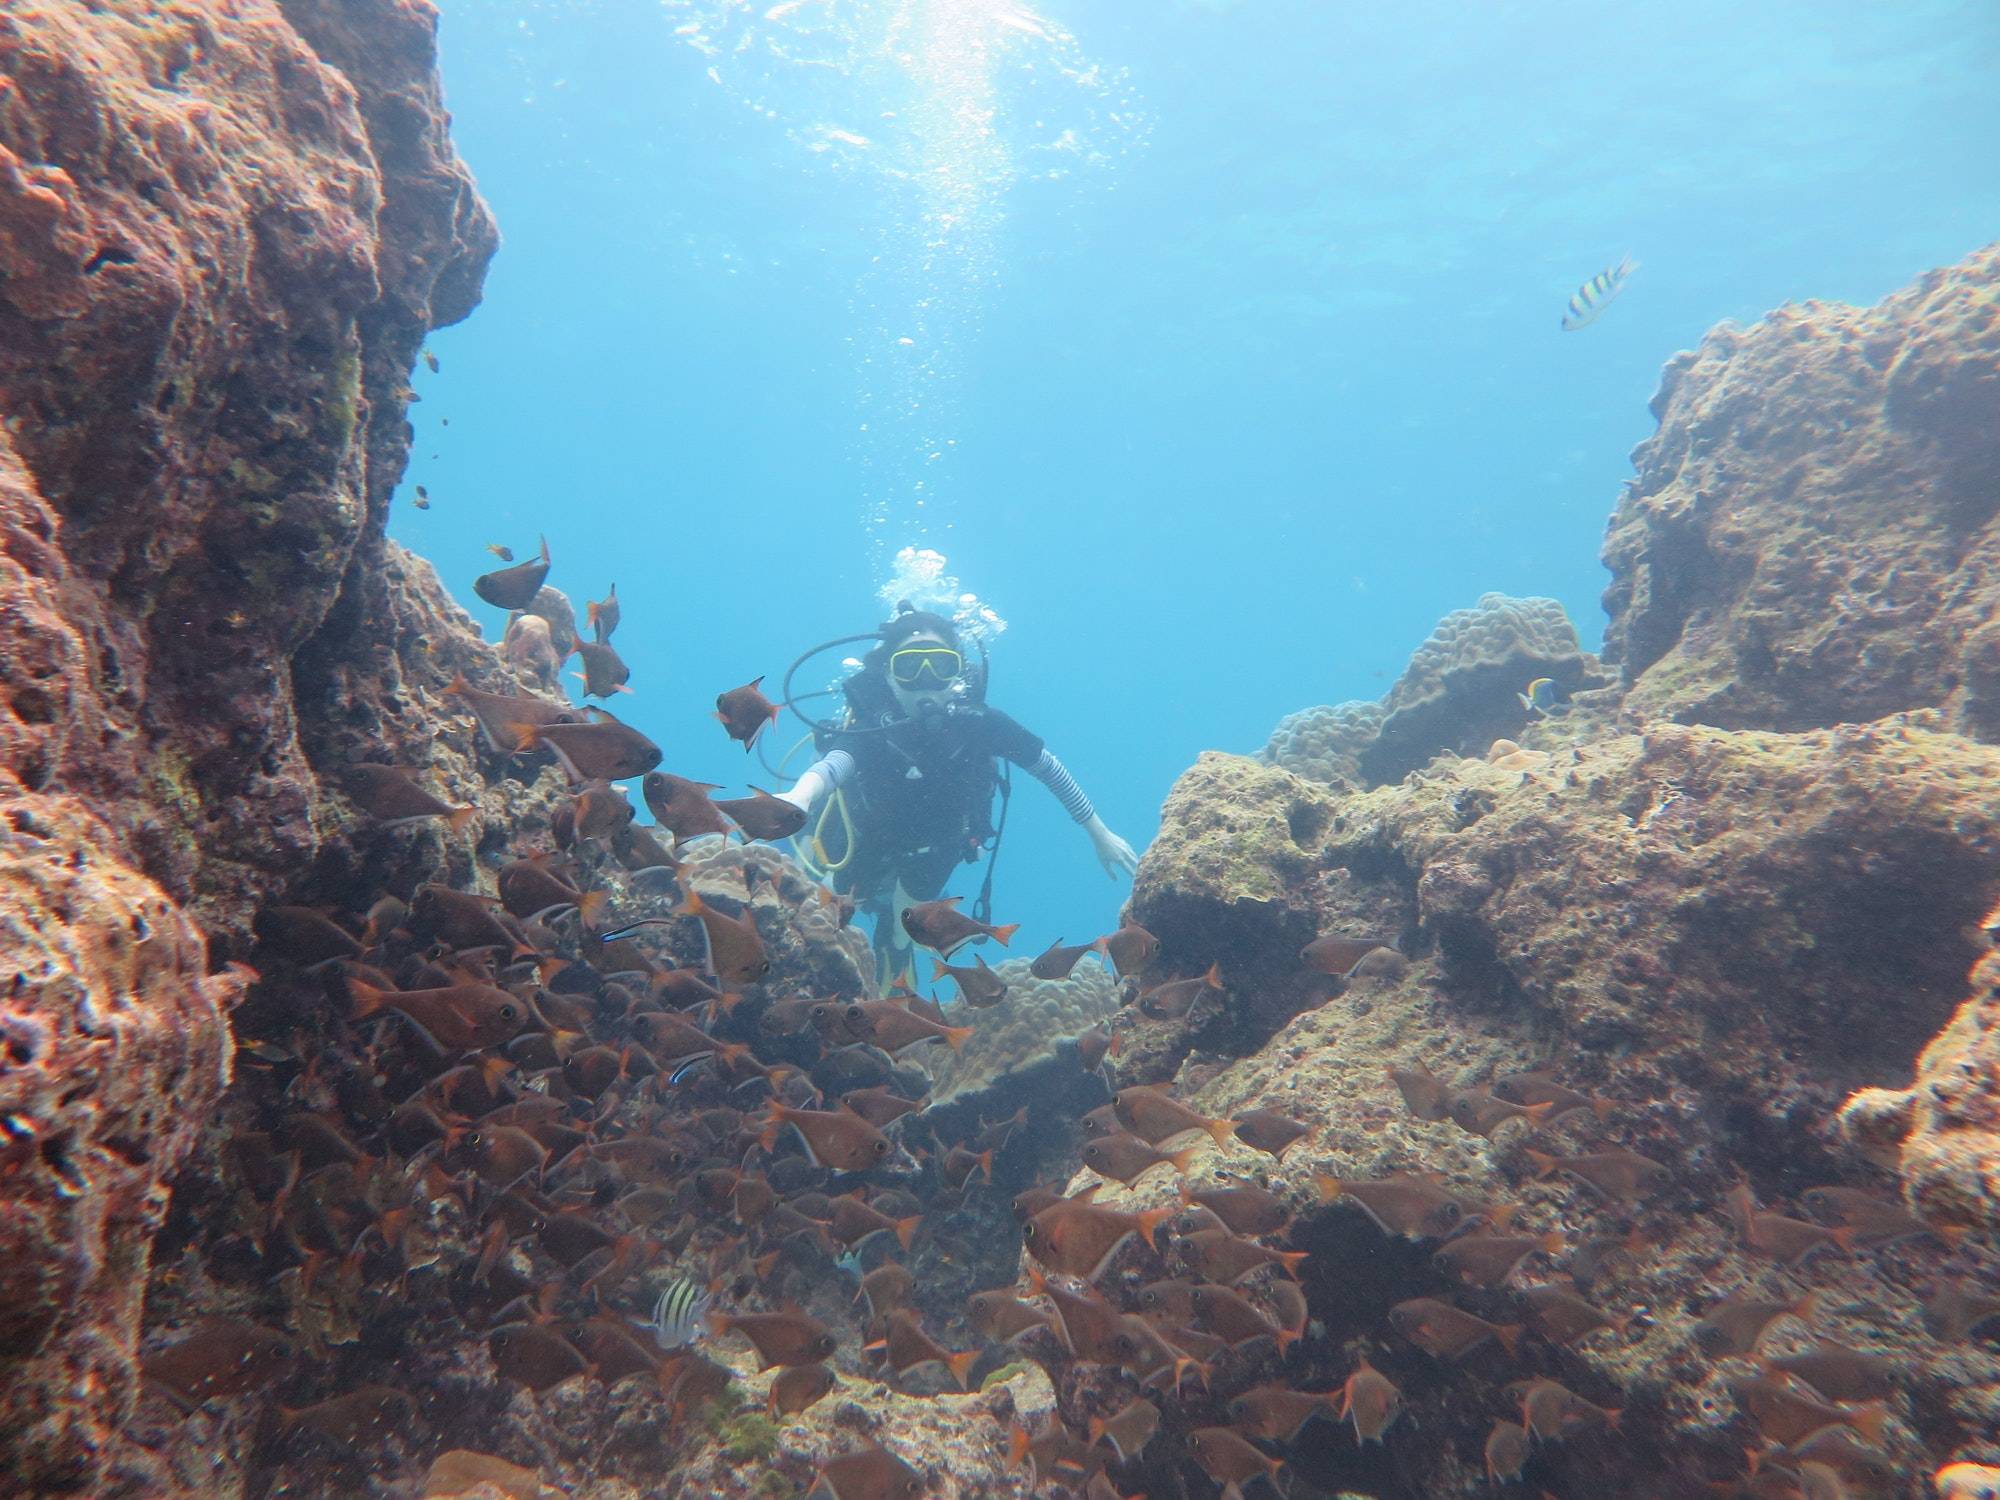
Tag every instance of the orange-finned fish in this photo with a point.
(604, 671)
(602, 750)
(602, 614)
(763, 816)
(1595, 295)
(941, 927)
(735, 950)
(744, 711)
(222, 1357)
(839, 1139)
(977, 985)
(683, 807)
(513, 588)
(391, 796)
(786, 1338)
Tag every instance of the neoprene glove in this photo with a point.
(1112, 852)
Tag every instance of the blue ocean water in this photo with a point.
(1214, 344)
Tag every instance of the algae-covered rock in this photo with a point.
(1812, 537)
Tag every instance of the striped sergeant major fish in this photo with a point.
(678, 1317)
(1595, 294)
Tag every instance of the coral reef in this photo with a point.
(1028, 1027)
(1325, 743)
(222, 239)
(1459, 693)
(1811, 530)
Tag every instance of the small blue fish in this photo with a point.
(1543, 696)
(678, 1319)
(1595, 294)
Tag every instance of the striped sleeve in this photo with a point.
(1052, 774)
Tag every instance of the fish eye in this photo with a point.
(853, 1012)
(1029, 1232)
(881, 1148)
(1451, 1211)
(506, 1012)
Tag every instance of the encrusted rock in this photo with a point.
(1812, 535)
(1325, 743)
(1460, 690)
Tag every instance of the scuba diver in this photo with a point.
(913, 769)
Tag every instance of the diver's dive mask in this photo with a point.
(926, 666)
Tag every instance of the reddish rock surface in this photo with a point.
(224, 231)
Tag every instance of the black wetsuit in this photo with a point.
(921, 794)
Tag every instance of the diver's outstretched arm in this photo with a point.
(1112, 852)
(819, 778)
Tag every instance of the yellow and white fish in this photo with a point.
(1592, 297)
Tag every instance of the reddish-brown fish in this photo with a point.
(1277, 1412)
(1413, 1205)
(460, 1016)
(744, 711)
(496, 713)
(1425, 1095)
(602, 614)
(1079, 1239)
(1176, 997)
(1130, 948)
(1612, 1174)
(1486, 1260)
(604, 671)
(1156, 1117)
(839, 1139)
(1002, 1316)
(1839, 1373)
(872, 1474)
(896, 1028)
(1219, 1255)
(1954, 1309)
(881, 1105)
(515, 587)
(1540, 1088)
(941, 927)
(368, 1413)
(1122, 1157)
(1231, 1460)
(1236, 1320)
(1128, 1429)
(1735, 1325)
(1372, 1401)
(797, 1387)
(222, 1357)
(602, 750)
(761, 815)
(534, 1355)
(1243, 1208)
(1446, 1332)
(735, 949)
(1875, 1220)
(683, 807)
(790, 1337)
(1270, 1132)
(908, 1348)
(854, 1222)
(391, 796)
(1478, 1111)
(1506, 1451)
(1338, 955)
(1562, 1317)
(1056, 961)
(978, 985)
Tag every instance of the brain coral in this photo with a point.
(1325, 743)
(1458, 692)
(1023, 1028)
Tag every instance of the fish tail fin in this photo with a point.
(1002, 933)
(767, 1134)
(526, 736)
(1150, 1218)
(591, 907)
(1285, 1338)
(1551, 1242)
(1544, 1163)
(1538, 1114)
(960, 1365)
(985, 1160)
(1602, 1109)
(732, 1053)
(1868, 1420)
(906, 1229)
(460, 818)
(692, 905)
(288, 1417)
(1509, 1335)
(1844, 1237)
(458, 687)
(1096, 1432)
(1613, 1416)
(718, 1322)
(956, 1035)
(545, 549)
(368, 1000)
(1330, 1188)
(1038, 1284)
(1951, 1234)
(1018, 1444)
(938, 969)
(1182, 1160)
(1222, 1130)
(1291, 1260)
(1213, 978)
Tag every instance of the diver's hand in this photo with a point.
(1112, 852)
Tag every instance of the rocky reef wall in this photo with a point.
(224, 232)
